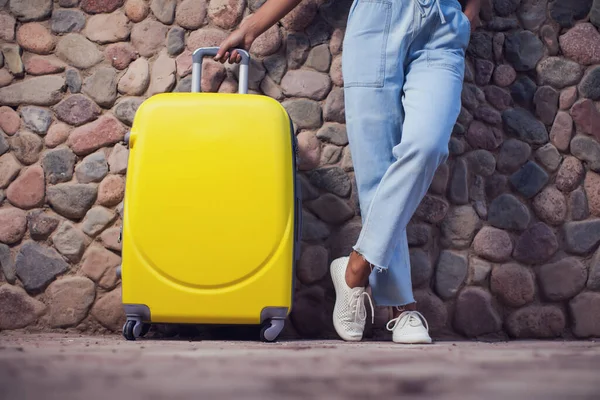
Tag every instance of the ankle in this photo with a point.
(407, 307)
(358, 271)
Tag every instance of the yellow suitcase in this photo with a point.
(211, 222)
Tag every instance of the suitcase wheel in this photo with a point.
(134, 329)
(271, 329)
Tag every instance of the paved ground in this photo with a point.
(67, 367)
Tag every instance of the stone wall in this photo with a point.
(504, 244)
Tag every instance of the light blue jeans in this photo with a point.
(403, 67)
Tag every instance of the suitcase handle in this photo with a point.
(199, 54)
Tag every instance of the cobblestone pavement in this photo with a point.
(54, 366)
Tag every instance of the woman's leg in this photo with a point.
(431, 102)
(397, 142)
(375, 47)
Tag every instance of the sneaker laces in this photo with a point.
(412, 316)
(357, 305)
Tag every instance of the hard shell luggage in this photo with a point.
(211, 220)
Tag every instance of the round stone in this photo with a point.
(309, 315)
(562, 131)
(9, 169)
(513, 154)
(493, 244)
(108, 310)
(306, 83)
(72, 200)
(529, 179)
(100, 6)
(28, 190)
(58, 165)
(43, 65)
(545, 101)
(111, 190)
(305, 113)
(226, 14)
(313, 264)
(175, 41)
(498, 97)
(475, 314)
(536, 244)
(69, 241)
(92, 168)
(190, 14)
(451, 273)
(578, 205)
(513, 284)
(36, 38)
(481, 136)
(41, 224)
(504, 75)
(9, 120)
(300, 17)
(336, 71)
(520, 123)
(333, 180)
(30, 10)
(13, 224)
(570, 174)
(87, 138)
(65, 21)
(164, 10)
(459, 226)
(96, 220)
(532, 13)
(79, 52)
(137, 10)
(309, 149)
(120, 55)
(421, 267)
(567, 98)
(205, 37)
(432, 209)
(18, 309)
(69, 301)
(507, 212)
(592, 190)
(551, 206)
(590, 84)
(36, 119)
(483, 71)
(536, 321)
(581, 44)
(77, 110)
(549, 157)
(163, 75)
(562, 280)
(585, 308)
(480, 45)
(107, 28)
(567, 13)
(148, 37)
(101, 86)
(559, 72)
(523, 50)
(267, 43)
(27, 147)
(481, 162)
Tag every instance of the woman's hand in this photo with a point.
(252, 27)
(240, 38)
(472, 12)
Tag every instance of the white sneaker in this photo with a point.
(349, 312)
(410, 327)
